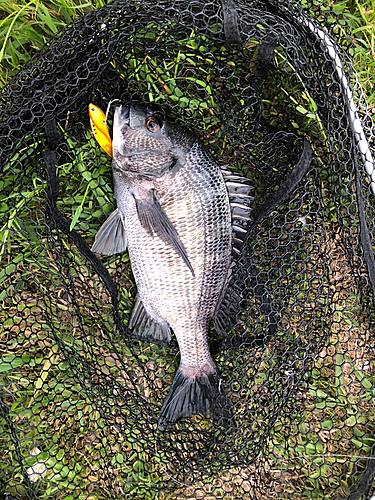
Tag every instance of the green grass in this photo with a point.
(26, 26)
(361, 18)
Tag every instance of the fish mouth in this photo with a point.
(121, 120)
(130, 115)
(124, 112)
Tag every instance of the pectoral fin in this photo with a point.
(111, 237)
(155, 221)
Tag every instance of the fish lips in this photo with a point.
(120, 121)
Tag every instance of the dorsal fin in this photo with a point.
(240, 202)
(230, 304)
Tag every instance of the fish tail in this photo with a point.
(195, 395)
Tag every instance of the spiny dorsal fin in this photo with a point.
(240, 202)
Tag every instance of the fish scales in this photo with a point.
(165, 285)
(176, 215)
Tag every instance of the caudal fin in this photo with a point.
(190, 396)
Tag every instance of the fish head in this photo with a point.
(144, 142)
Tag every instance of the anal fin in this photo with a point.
(144, 326)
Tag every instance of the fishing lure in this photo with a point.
(99, 128)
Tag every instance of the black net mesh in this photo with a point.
(80, 396)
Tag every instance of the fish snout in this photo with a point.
(125, 113)
(131, 115)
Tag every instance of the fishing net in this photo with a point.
(269, 88)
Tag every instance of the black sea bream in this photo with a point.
(174, 215)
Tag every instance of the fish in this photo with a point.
(182, 219)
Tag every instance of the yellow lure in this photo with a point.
(99, 128)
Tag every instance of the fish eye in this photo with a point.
(153, 124)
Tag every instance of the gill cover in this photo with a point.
(99, 128)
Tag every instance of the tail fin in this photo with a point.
(190, 396)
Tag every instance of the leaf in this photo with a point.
(310, 449)
(44, 15)
(351, 421)
(43, 375)
(8, 271)
(327, 424)
(365, 381)
(357, 443)
(78, 211)
(11, 361)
